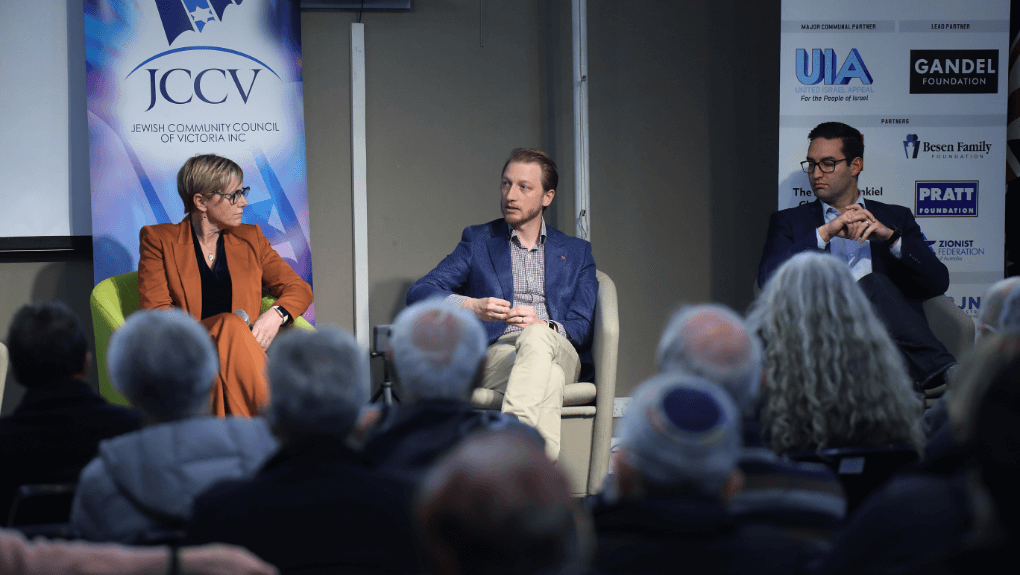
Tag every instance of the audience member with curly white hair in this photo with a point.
(834, 377)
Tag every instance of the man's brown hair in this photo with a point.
(550, 177)
(205, 174)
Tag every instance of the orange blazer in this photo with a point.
(168, 274)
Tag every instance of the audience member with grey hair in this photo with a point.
(834, 378)
(992, 305)
(712, 342)
(438, 355)
(1009, 319)
(498, 506)
(319, 382)
(316, 506)
(437, 352)
(673, 473)
(141, 486)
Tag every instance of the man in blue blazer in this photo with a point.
(881, 243)
(533, 287)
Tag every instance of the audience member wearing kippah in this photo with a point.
(712, 342)
(141, 486)
(834, 378)
(315, 507)
(498, 506)
(674, 471)
(21, 557)
(438, 355)
(55, 430)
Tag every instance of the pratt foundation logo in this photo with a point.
(947, 198)
(954, 71)
(180, 16)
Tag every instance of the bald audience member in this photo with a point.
(712, 342)
(438, 357)
(673, 475)
(498, 506)
(992, 304)
(315, 507)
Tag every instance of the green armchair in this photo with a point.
(115, 298)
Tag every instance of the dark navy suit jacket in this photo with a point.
(480, 267)
(919, 274)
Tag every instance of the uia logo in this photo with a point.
(180, 16)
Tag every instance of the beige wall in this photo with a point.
(683, 149)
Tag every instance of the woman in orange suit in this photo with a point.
(211, 265)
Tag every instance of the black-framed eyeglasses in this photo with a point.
(827, 166)
(233, 197)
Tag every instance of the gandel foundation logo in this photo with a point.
(954, 71)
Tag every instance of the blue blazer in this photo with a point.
(919, 274)
(480, 267)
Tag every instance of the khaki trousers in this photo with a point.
(530, 368)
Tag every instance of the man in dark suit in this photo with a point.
(881, 243)
(55, 430)
(315, 506)
(535, 289)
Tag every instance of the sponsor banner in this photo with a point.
(925, 86)
(169, 79)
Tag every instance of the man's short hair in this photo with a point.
(550, 176)
(991, 304)
(164, 363)
(681, 432)
(1009, 319)
(318, 380)
(46, 343)
(853, 141)
(205, 174)
(712, 342)
(498, 506)
(437, 351)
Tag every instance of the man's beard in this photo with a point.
(519, 217)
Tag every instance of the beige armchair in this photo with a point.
(587, 416)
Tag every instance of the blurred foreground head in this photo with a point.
(437, 351)
(834, 377)
(164, 363)
(681, 434)
(46, 344)
(318, 382)
(497, 505)
(711, 341)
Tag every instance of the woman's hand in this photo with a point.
(266, 327)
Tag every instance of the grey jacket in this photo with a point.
(141, 486)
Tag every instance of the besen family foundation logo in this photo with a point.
(946, 198)
(180, 16)
(910, 146)
(954, 71)
(945, 150)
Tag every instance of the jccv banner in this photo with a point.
(926, 84)
(168, 79)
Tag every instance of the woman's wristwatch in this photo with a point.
(283, 314)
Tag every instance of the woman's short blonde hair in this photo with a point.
(205, 174)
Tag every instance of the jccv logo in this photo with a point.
(821, 65)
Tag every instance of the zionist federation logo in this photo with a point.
(180, 16)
